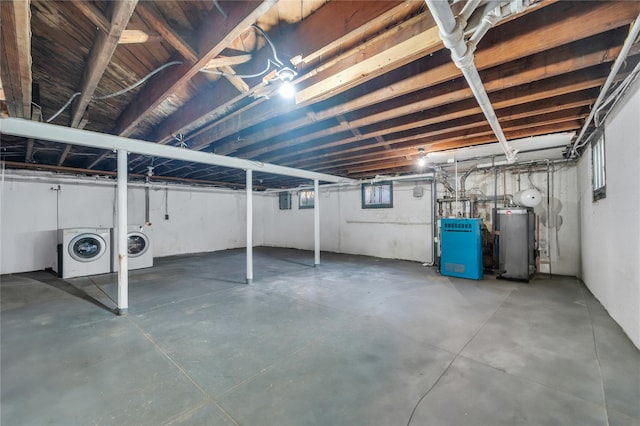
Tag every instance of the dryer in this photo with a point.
(83, 251)
(139, 248)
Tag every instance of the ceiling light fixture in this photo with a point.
(286, 75)
(422, 160)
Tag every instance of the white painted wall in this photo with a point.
(404, 231)
(559, 240)
(610, 227)
(200, 220)
(401, 232)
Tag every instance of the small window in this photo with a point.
(377, 195)
(284, 199)
(598, 167)
(306, 199)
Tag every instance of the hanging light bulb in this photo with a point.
(422, 160)
(287, 90)
(286, 75)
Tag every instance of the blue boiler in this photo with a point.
(461, 248)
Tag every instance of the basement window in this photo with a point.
(598, 167)
(306, 199)
(377, 195)
(284, 201)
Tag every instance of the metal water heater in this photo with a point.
(461, 248)
(515, 232)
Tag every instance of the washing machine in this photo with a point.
(83, 251)
(139, 248)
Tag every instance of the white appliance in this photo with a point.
(83, 251)
(139, 248)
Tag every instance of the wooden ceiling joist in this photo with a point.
(521, 47)
(506, 98)
(317, 35)
(374, 82)
(214, 35)
(15, 68)
(101, 54)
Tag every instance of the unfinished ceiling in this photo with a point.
(374, 82)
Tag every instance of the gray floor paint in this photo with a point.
(357, 341)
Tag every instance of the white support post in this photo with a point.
(249, 226)
(123, 267)
(316, 221)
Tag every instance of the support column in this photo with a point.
(249, 188)
(123, 266)
(316, 221)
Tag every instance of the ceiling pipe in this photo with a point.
(452, 35)
(628, 43)
(463, 180)
(468, 10)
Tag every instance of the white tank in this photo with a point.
(528, 198)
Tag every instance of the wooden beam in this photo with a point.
(100, 56)
(459, 143)
(235, 81)
(559, 61)
(323, 32)
(138, 36)
(475, 127)
(544, 106)
(491, 55)
(157, 22)
(556, 86)
(91, 12)
(405, 43)
(225, 61)
(15, 61)
(214, 35)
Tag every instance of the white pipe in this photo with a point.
(488, 21)
(123, 266)
(628, 43)
(249, 190)
(356, 182)
(468, 9)
(316, 221)
(616, 95)
(452, 36)
(51, 132)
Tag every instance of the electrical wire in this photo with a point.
(273, 48)
(118, 93)
(64, 107)
(138, 83)
(220, 9)
(226, 74)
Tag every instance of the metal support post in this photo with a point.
(123, 267)
(249, 226)
(316, 220)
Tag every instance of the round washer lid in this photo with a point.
(87, 247)
(137, 244)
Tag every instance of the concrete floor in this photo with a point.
(358, 341)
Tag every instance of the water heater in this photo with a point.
(515, 232)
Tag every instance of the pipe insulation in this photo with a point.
(452, 35)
